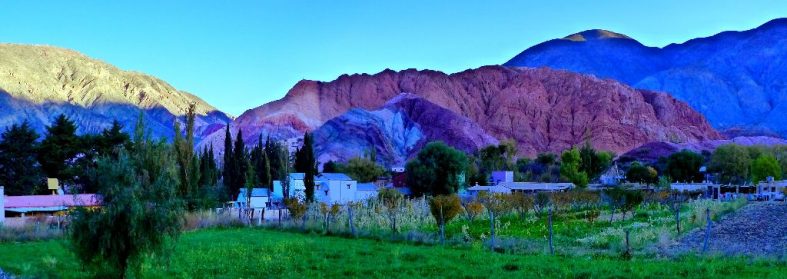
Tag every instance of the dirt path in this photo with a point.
(758, 229)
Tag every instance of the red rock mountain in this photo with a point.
(542, 109)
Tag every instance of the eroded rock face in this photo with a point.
(542, 109)
(396, 132)
(735, 79)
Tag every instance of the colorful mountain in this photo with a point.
(737, 80)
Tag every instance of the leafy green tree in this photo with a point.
(305, 163)
(19, 171)
(363, 169)
(58, 150)
(593, 162)
(732, 163)
(685, 166)
(570, 163)
(435, 170)
(764, 166)
(332, 167)
(140, 211)
(391, 199)
(638, 172)
(444, 208)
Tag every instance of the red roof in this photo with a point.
(51, 200)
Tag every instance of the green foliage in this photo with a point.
(278, 158)
(188, 162)
(764, 166)
(332, 167)
(57, 150)
(443, 209)
(435, 170)
(261, 162)
(306, 164)
(205, 253)
(684, 166)
(363, 169)
(640, 173)
(732, 163)
(593, 162)
(140, 209)
(19, 170)
(570, 163)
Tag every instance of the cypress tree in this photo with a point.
(228, 171)
(239, 158)
(305, 163)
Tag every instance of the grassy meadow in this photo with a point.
(265, 253)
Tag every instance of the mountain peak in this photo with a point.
(595, 35)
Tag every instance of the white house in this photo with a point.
(365, 191)
(771, 190)
(523, 187)
(329, 188)
(502, 176)
(2, 205)
(260, 198)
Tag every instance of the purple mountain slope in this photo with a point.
(738, 80)
(397, 131)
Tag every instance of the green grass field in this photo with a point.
(260, 253)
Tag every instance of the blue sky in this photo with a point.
(240, 54)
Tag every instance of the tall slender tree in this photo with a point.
(228, 162)
(188, 166)
(19, 171)
(239, 159)
(305, 163)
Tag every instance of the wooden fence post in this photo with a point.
(707, 230)
(551, 248)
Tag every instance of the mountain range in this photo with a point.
(541, 109)
(597, 86)
(37, 83)
(737, 80)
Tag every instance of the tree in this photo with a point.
(570, 162)
(140, 210)
(332, 167)
(239, 163)
(297, 210)
(59, 148)
(731, 162)
(278, 156)
(391, 199)
(765, 166)
(521, 203)
(495, 204)
(685, 166)
(443, 209)
(435, 170)
(20, 173)
(259, 159)
(593, 162)
(306, 164)
(188, 165)
(363, 169)
(638, 172)
(228, 163)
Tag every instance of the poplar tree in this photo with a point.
(228, 169)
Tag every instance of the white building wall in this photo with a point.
(2, 205)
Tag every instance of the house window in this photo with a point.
(348, 186)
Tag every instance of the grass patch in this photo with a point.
(260, 253)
